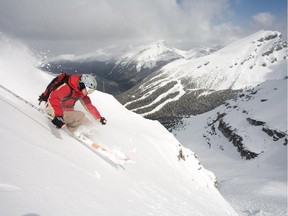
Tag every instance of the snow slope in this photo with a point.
(259, 116)
(244, 63)
(44, 171)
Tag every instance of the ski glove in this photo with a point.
(58, 121)
(103, 120)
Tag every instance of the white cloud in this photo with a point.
(89, 24)
(262, 20)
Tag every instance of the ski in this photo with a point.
(115, 157)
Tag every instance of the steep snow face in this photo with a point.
(44, 171)
(255, 123)
(245, 63)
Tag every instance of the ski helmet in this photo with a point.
(89, 81)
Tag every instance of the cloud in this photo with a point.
(112, 20)
(262, 20)
(73, 25)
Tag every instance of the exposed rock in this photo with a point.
(181, 155)
(275, 134)
(255, 122)
(236, 139)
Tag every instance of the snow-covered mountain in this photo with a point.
(253, 125)
(147, 56)
(153, 56)
(191, 86)
(118, 69)
(44, 171)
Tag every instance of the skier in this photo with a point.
(62, 100)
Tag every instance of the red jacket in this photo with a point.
(59, 101)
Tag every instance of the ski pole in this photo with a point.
(25, 101)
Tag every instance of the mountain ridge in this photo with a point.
(193, 82)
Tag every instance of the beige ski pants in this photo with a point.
(73, 119)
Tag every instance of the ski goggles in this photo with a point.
(82, 86)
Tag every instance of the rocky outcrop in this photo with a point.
(230, 133)
(275, 134)
(236, 139)
(255, 122)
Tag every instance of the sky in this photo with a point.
(81, 26)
